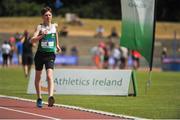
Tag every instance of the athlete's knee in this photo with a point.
(49, 77)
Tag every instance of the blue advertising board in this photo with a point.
(60, 59)
(171, 64)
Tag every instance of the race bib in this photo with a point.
(45, 44)
(48, 41)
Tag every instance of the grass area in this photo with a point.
(19, 24)
(162, 100)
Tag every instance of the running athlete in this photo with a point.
(27, 53)
(47, 37)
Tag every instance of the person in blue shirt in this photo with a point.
(19, 48)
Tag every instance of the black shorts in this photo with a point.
(27, 59)
(135, 58)
(5, 56)
(106, 58)
(46, 59)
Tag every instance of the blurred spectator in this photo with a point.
(99, 31)
(124, 57)
(27, 56)
(19, 50)
(113, 32)
(111, 44)
(78, 21)
(136, 57)
(116, 53)
(17, 36)
(12, 40)
(5, 48)
(163, 54)
(63, 50)
(64, 31)
(97, 53)
(95, 56)
(74, 51)
(12, 45)
(73, 19)
(105, 54)
(111, 62)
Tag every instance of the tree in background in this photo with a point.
(167, 10)
(19, 8)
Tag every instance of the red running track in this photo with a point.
(20, 109)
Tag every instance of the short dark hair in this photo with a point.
(46, 9)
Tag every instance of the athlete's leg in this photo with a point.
(29, 64)
(29, 69)
(51, 99)
(25, 67)
(49, 64)
(38, 59)
(39, 66)
(38, 83)
(50, 82)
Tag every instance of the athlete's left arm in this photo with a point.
(57, 40)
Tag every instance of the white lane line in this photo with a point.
(47, 117)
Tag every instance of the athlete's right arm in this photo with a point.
(37, 36)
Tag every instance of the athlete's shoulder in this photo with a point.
(55, 24)
(39, 26)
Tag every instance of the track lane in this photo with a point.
(19, 109)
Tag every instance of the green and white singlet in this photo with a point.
(48, 42)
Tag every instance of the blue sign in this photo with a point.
(66, 60)
(60, 59)
(171, 64)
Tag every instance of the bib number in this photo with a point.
(46, 44)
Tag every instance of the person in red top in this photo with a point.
(136, 56)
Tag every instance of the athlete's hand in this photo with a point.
(58, 49)
(45, 32)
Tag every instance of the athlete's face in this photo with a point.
(47, 17)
